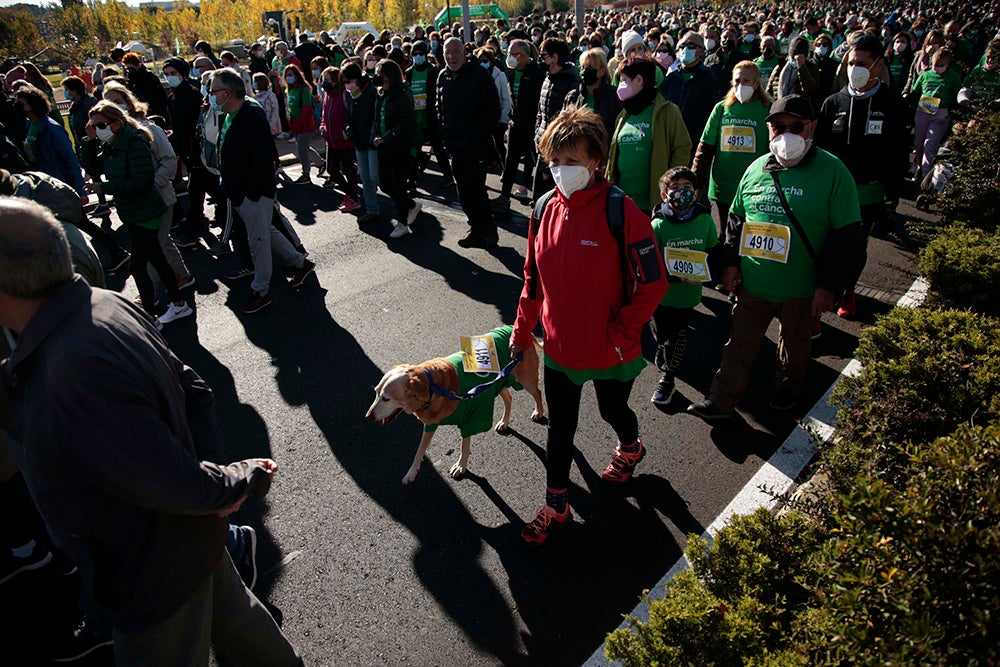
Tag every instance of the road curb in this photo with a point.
(775, 478)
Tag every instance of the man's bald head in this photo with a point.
(34, 252)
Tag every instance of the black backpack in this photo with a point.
(639, 262)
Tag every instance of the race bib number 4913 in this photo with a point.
(738, 139)
(765, 240)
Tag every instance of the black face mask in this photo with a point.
(589, 76)
(327, 86)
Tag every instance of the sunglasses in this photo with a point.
(795, 128)
(101, 126)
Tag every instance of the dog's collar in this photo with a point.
(434, 388)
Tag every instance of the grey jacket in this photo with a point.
(113, 434)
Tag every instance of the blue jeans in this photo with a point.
(368, 166)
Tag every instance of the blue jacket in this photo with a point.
(54, 154)
(696, 96)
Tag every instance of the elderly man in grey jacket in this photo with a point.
(115, 438)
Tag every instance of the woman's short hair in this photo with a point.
(34, 98)
(639, 66)
(262, 80)
(556, 47)
(595, 58)
(571, 129)
(74, 84)
(351, 71)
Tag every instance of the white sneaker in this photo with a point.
(398, 230)
(412, 215)
(174, 313)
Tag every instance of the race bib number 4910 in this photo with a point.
(765, 240)
(687, 264)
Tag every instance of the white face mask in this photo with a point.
(789, 148)
(822, 51)
(859, 76)
(709, 44)
(570, 178)
(511, 62)
(743, 93)
(106, 135)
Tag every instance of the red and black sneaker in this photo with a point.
(623, 464)
(545, 523)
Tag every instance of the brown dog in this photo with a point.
(405, 388)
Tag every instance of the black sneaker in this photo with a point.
(708, 410)
(664, 391)
(183, 241)
(11, 565)
(239, 273)
(82, 642)
(660, 359)
(300, 274)
(256, 302)
(784, 398)
(102, 211)
(246, 560)
(475, 240)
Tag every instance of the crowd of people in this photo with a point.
(798, 125)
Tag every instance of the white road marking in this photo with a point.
(777, 475)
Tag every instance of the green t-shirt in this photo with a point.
(635, 146)
(698, 233)
(590, 100)
(418, 86)
(898, 70)
(823, 196)
(517, 82)
(767, 66)
(623, 372)
(941, 87)
(740, 135)
(475, 416)
(985, 85)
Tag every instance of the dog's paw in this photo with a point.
(457, 471)
(502, 428)
(410, 475)
(539, 419)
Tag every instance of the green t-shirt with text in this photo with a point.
(698, 233)
(635, 147)
(932, 86)
(418, 86)
(740, 136)
(767, 66)
(822, 194)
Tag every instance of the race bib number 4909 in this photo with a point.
(765, 240)
(687, 264)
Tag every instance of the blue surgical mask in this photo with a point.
(204, 91)
(484, 65)
(688, 55)
(195, 72)
(173, 81)
(434, 45)
(316, 74)
(214, 103)
(290, 80)
(419, 59)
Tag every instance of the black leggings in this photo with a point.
(98, 235)
(563, 399)
(670, 330)
(146, 250)
(342, 167)
(393, 173)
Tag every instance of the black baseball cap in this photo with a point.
(793, 105)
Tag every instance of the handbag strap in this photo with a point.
(791, 216)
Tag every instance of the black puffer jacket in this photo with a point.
(468, 108)
(526, 102)
(361, 117)
(401, 130)
(606, 103)
(555, 88)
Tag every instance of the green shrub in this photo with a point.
(911, 574)
(736, 605)
(972, 195)
(963, 267)
(924, 372)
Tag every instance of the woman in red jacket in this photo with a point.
(593, 292)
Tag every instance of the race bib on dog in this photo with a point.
(687, 264)
(479, 354)
(765, 240)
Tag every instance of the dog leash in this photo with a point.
(435, 388)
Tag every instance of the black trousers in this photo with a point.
(470, 181)
(563, 399)
(146, 250)
(520, 151)
(98, 235)
(342, 166)
(670, 330)
(394, 169)
(433, 137)
(202, 182)
(499, 135)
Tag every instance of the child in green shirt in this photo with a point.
(686, 235)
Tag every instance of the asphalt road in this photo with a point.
(361, 570)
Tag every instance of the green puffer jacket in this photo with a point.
(127, 165)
